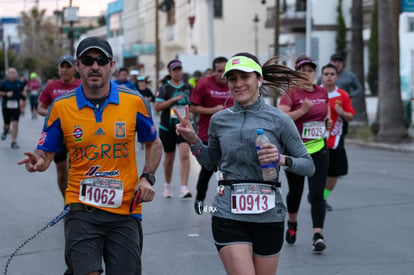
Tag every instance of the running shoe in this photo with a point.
(3, 136)
(198, 207)
(328, 206)
(185, 193)
(318, 243)
(290, 236)
(14, 145)
(167, 191)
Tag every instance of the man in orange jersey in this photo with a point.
(98, 122)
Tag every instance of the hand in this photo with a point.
(217, 109)
(307, 105)
(33, 162)
(268, 153)
(184, 127)
(339, 110)
(178, 97)
(9, 94)
(147, 191)
(328, 123)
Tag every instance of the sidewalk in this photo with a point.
(401, 147)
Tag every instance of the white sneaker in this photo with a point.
(167, 191)
(185, 193)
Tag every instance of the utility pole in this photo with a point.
(157, 48)
(277, 28)
(256, 40)
(211, 44)
(308, 38)
(72, 50)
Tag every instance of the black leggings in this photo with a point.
(202, 183)
(316, 186)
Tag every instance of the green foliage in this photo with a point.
(373, 52)
(340, 32)
(101, 21)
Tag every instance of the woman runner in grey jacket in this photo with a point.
(248, 222)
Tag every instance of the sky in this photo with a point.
(12, 8)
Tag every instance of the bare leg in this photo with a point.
(15, 125)
(331, 182)
(238, 259)
(265, 265)
(168, 166)
(184, 151)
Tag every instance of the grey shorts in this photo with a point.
(93, 236)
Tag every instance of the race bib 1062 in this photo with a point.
(102, 192)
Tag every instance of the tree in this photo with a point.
(392, 123)
(39, 39)
(101, 21)
(340, 32)
(357, 62)
(373, 52)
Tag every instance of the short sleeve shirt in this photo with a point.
(16, 87)
(55, 89)
(341, 98)
(168, 91)
(294, 98)
(100, 141)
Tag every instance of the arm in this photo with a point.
(42, 109)
(356, 87)
(302, 163)
(198, 109)
(348, 116)
(162, 105)
(153, 152)
(304, 108)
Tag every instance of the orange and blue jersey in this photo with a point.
(101, 145)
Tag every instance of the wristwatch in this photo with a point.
(288, 161)
(149, 176)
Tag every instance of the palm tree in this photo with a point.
(357, 62)
(392, 123)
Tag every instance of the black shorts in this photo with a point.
(62, 155)
(93, 236)
(266, 238)
(338, 163)
(170, 139)
(10, 115)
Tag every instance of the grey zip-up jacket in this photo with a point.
(232, 148)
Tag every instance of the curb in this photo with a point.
(400, 147)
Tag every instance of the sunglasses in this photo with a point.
(88, 60)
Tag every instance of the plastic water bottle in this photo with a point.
(269, 172)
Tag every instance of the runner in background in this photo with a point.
(175, 93)
(54, 89)
(341, 110)
(309, 109)
(11, 90)
(32, 89)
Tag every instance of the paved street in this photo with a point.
(370, 230)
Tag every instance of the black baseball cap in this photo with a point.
(66, 58)
(94, 42)
(336, 56)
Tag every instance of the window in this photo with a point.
(218, 8)
(410, 24)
